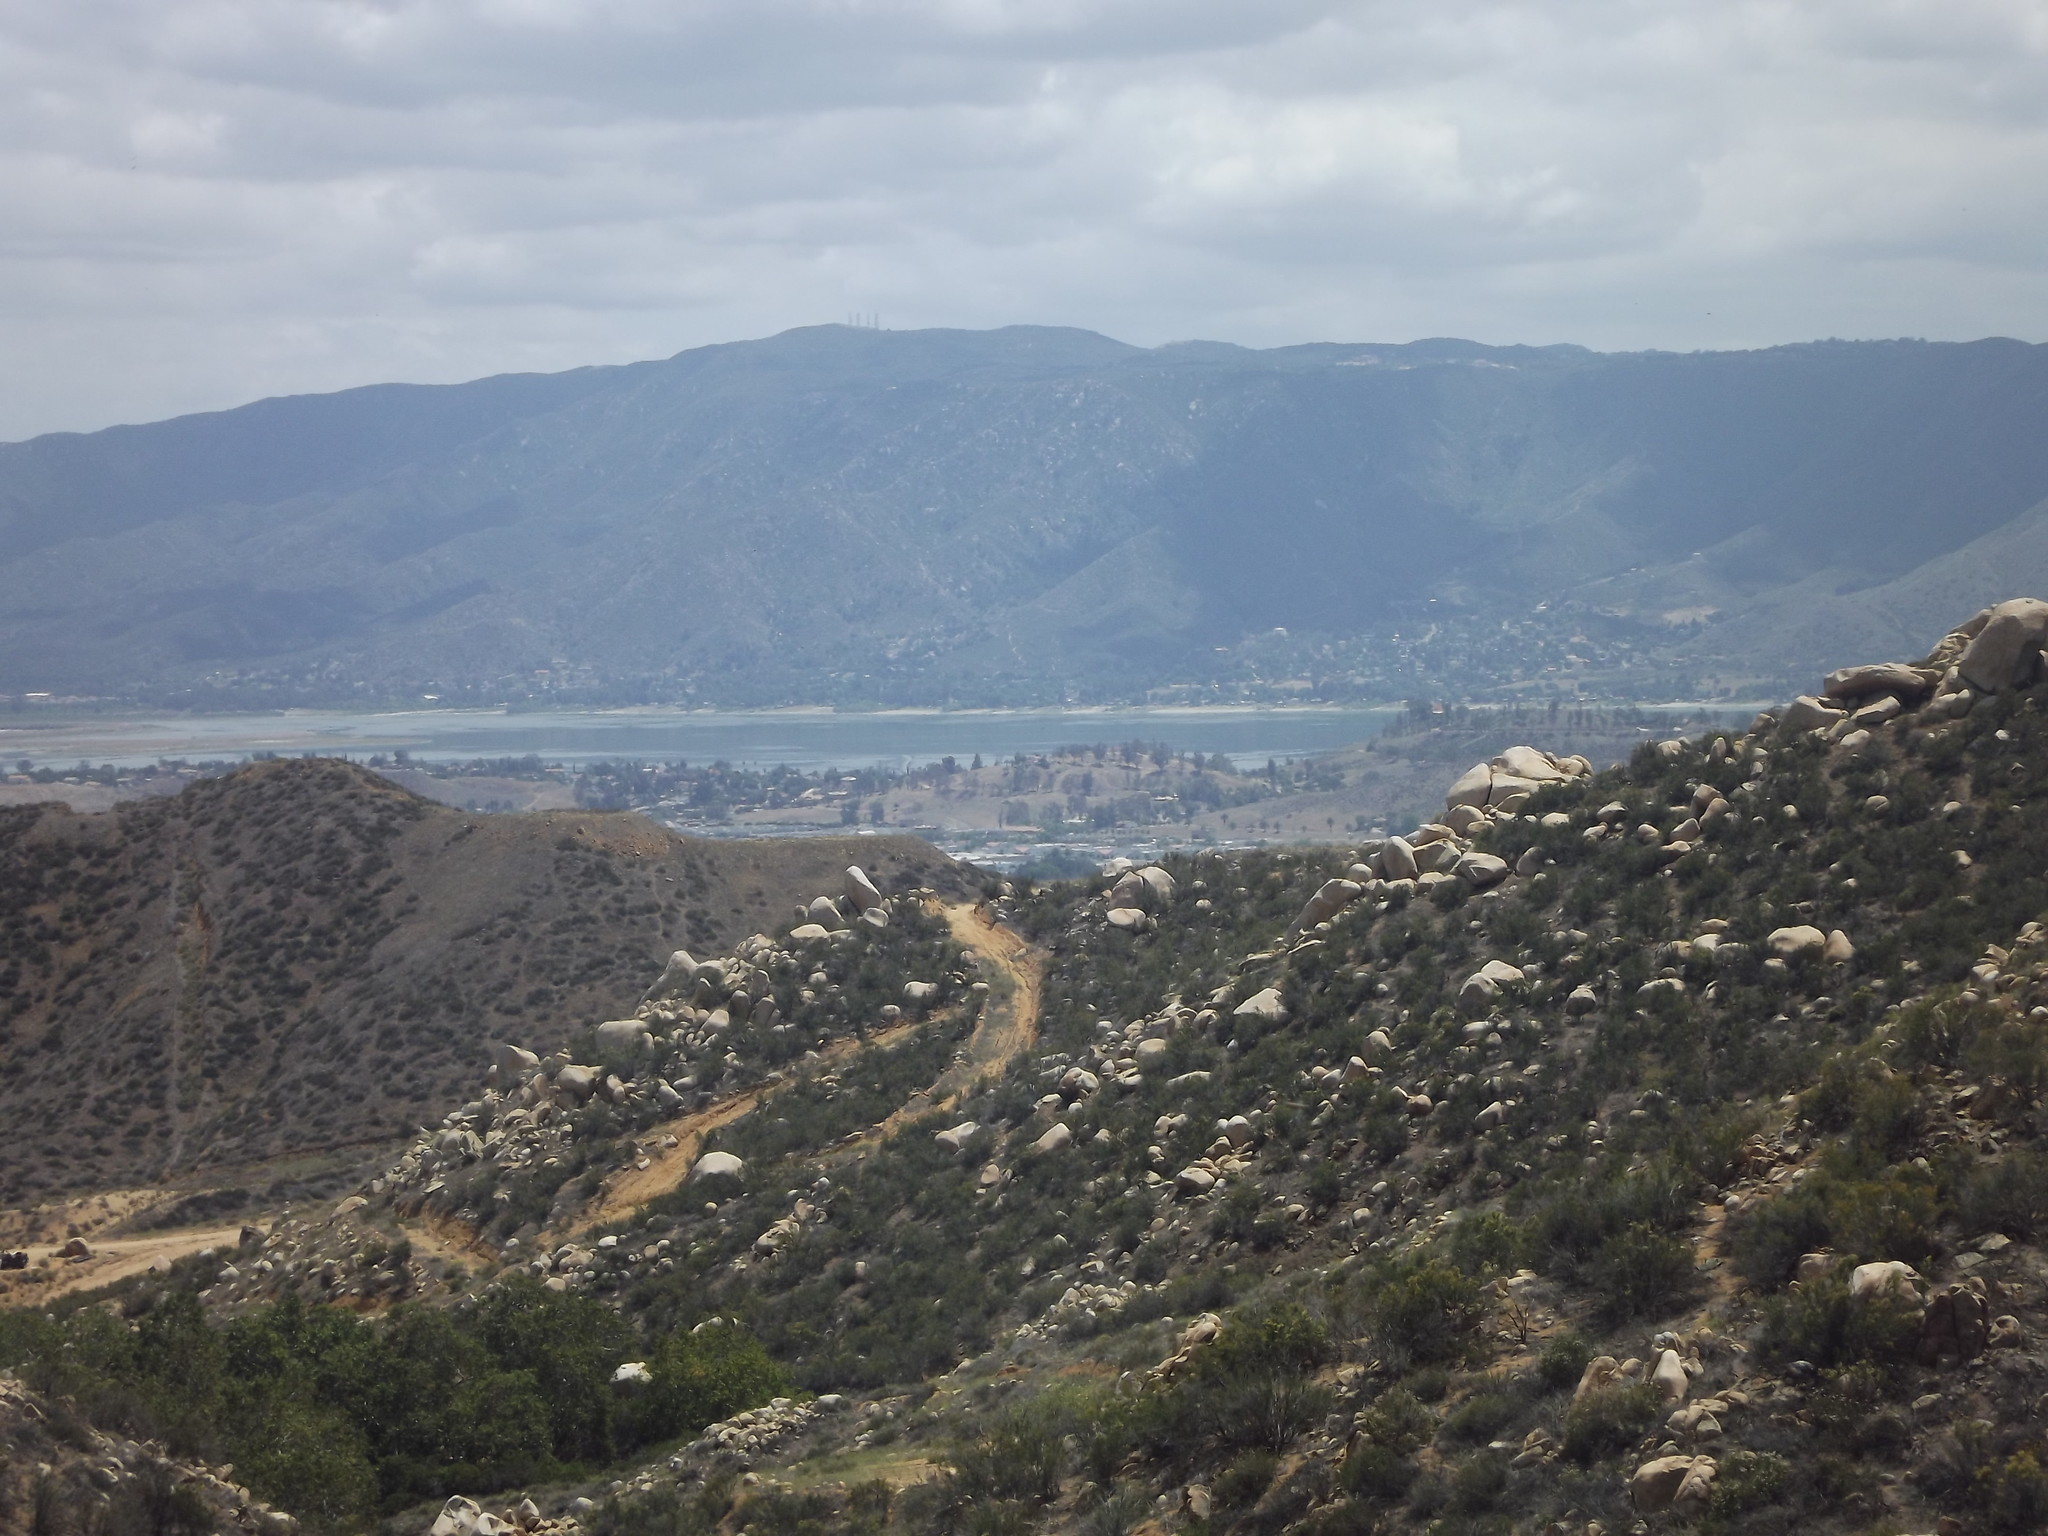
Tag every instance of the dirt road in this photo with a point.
(1008, 1026)
(114, 1259)
(1015, 972)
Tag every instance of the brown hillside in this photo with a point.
(303, 955)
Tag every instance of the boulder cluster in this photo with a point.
(749, 1434)
(465, 1517)
(677, 1052)
(1997, 651)
(1133, 903)
(1391, 870)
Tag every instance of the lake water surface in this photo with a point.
(805, 739)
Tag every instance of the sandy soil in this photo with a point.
(114, 1259)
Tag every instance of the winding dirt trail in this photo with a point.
(1015, 972)
(1009, 1025)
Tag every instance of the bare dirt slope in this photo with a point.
(303, 955)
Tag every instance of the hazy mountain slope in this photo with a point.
(841, 514)
(303, 955)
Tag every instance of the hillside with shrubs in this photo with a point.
(1657, 1148)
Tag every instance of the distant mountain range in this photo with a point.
(1034, 515)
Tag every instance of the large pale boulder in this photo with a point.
(1479, 991)
(1128, 919)
(1397, 859)
(1884, 1277)
(1697, 1491)
(1481, 871)
(1681, 1484)
(1158, 882)
(717, 1165)
(860, 890)
(1669, 1377)
(1471, 787)
(1192, 1181)
(1054, 1140)
(1331, 897)
(960, 1137)
(1463, 819)
(1509, 790)
(824, 911)
(458, 1517)
(514, 1063)
(920, 994)
(624, 1035)
(1265, 1006)
(675, 977)
(809, 933)
(1907, 684)
(579, 1083)
(1807, 713)
(2007, 650)
(1601, 1372)
(1149, 888)
(1532, 764)
(1796, 942)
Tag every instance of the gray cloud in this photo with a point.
(211, 200)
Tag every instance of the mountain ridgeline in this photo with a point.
(1024, 515)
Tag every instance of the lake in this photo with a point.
(804, 739)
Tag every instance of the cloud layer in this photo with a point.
(214, 200)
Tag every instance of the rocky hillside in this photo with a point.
(1034, 515)
(302, 955)
(1652, 1148)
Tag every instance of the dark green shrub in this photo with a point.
(667, 1513)
(2009, 1196)
(1254, 1386)
(2013, 1493)
(1481, 1416)
(1018, 1455)
(1478, 1484)
(1423, 1313)
(1748, 1480)
(1891, 1218)
(1240, 1485)
(2017, 1051)
(700, 1378)
(1562, 1361)
(1398, 1421)
(1639, 1271)
(1938, 1032)
(1766, 1241)
(1819, 1322)
(1483, 1245)
(1608, 1421)
(1375, 1471)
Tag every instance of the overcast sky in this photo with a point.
(207, 201)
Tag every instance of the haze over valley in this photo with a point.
(1000, 768)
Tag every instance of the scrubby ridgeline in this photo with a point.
(1667, 1147)
(301, 955)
